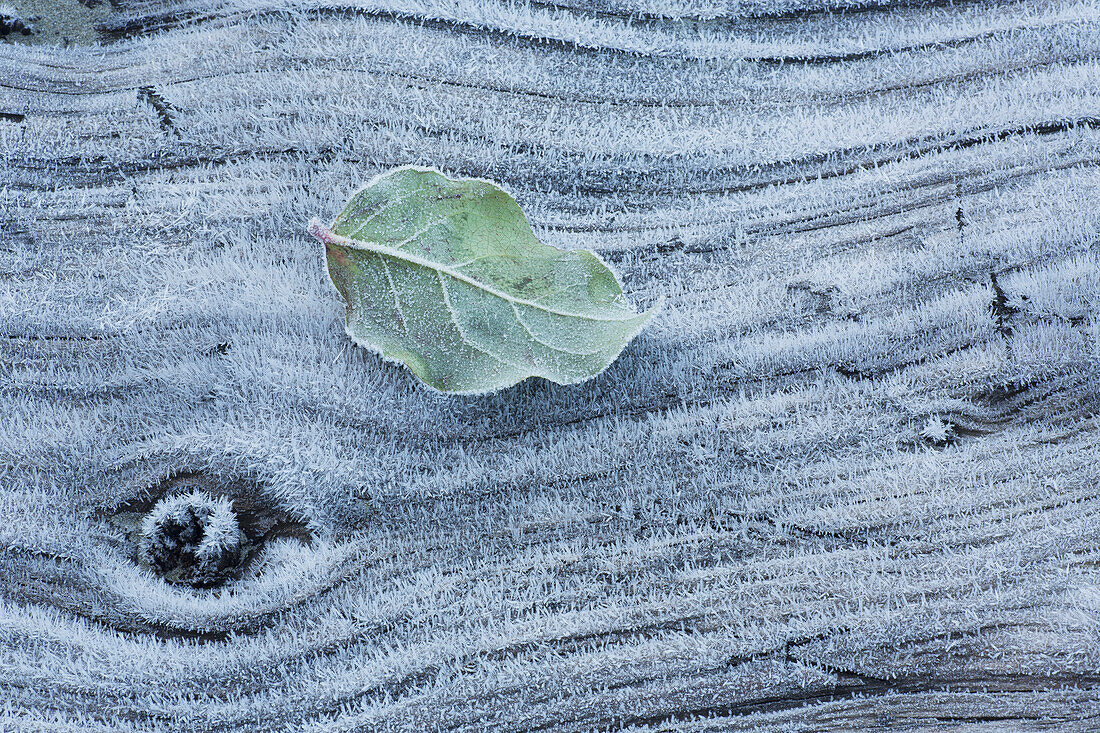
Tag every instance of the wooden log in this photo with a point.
(846, 480)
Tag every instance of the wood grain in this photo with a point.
(846, 480)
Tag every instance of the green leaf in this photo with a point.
(447, 277)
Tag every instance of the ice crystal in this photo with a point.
(191, 538)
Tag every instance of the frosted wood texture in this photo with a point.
(845, 479)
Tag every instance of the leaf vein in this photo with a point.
(413, 259)
(387, 205)
(462, 334)
(526, 328)
(416, 234)
(396, 297)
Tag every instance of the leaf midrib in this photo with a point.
(414, 259)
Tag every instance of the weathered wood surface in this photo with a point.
(847, 480)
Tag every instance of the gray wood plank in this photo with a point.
(845, 481)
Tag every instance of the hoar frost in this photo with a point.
(191, 538)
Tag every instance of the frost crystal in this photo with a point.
(191, 538)
(936, 431)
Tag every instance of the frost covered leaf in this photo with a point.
(447, 277)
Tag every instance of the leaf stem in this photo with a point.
(323, 234)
